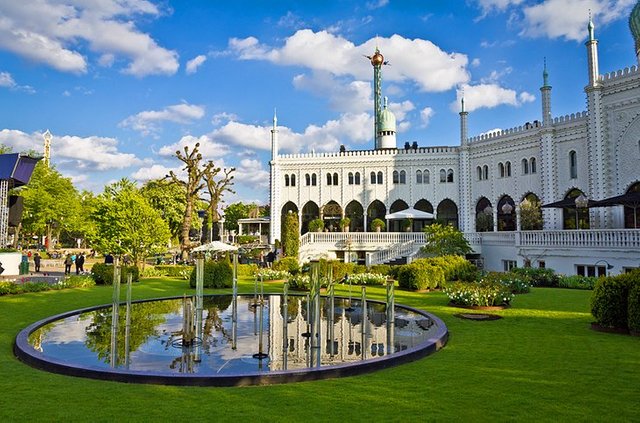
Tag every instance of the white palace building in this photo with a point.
(482, 185)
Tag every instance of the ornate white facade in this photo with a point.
(594, 153)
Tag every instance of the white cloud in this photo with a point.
(194, 64)
(155, 171)
(55, 33)
(500, 5)
(209, 147)
(223, 117)
(7, 81)
(147, 122)
(344, 96)
(251, 173)
(425, 116)
(568, 18)
(72, 152)
(376, 4)
(488, 96)
(323, 51)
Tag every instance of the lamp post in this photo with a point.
(506, 210)
(609, 266)
(582, 202)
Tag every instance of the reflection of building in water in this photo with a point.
(348, 327)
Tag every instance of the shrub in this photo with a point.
(174, 270)
(634, 308)
(516, 283)
(247, 269)
(150, 272)
(78, 281)
(300, 282)
(539, 276)
(288, 264)
(420, 275)
(217, 274)
(577, 282)
(316, 225)
(484, 294)
(609, 301)
(246, 239)
(103, 273)
(383, 269)
(454, 267)
(272, 275)
(378, 223)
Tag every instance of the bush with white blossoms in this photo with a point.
(367, 279)
(479, 294)
(300, 282)
(272, 275)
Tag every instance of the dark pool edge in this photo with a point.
(29, 355)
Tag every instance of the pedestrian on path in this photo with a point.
(80, 264)
(67, 264)
(36, 261)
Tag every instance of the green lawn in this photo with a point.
(541, 362)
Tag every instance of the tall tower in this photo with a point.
(463, 124)
(464, 185)
(274, 188)
(545, 91)
(47, 147)
(377, 60)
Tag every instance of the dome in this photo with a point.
(634, 23)
(387, 121)
(377, 59)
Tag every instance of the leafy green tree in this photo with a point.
(168, 198)
(52, 204)
(290, 235)
(443, 240)
(233, 213)
(127, 224)
(530, 214)
(5, 149)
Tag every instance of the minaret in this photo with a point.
(464, 131)
(47, 147)
(377, 60)
(274, 188)
(545, 91)
(592, 54)
(274, 137)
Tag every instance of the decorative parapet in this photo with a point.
(573, 117)
(373, 153)
(622, 73)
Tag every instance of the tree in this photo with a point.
(51, 204)
(5, 149)
(233, 213)
(191, 187)
(127, 224)
(444, 240)
(168, 198)
(530, 215)
(217, 184)
(290, 235)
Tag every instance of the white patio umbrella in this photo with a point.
(409, 213)
(215, 246)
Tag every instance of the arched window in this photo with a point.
(286, 180)
(507, 169)
(532, 165)
(373, 178)
(396, 179)
(314, 179)
(307, 179)
(485, 172)
(573, 164)
(350, 176)
(335, 179)
(293, 180)
(380, 178)
(443, 176)
(525, 166)
(403, 177)
(328, 179)
(479, 170)
(450, 175)
(418, 176)
(426, 177)
(357, 178)
(501, 170)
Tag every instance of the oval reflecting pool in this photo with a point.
(230, 342)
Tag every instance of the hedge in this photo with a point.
(610, 300)
(288, 264)
(217, 274)
(103, 273)
(420, 275)
(634, 308)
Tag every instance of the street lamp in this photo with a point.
(582, 202)
(506, 210)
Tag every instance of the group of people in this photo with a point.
(72, 259)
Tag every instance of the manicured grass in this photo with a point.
(540, 362)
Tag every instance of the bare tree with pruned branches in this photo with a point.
(192, 187)
(218, 182)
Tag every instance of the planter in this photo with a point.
(486, 308)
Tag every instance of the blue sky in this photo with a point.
(122, 84)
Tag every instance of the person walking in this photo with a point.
(80, 264)
(67, 264)
(36, 261)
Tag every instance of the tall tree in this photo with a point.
(168, 198)
(217, 184)
(290, 235)
(127, 224)
(192, 187)
(234, 212)
(443, 240)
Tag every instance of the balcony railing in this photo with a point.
(398, 250)
(361, 238)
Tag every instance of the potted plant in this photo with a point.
(344, 224)
(407, 224)
(377, 225)
(316, 225)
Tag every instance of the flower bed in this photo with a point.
(367, 279)
(272, 275)
(478, 294)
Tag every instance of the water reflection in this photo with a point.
(232, 336)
